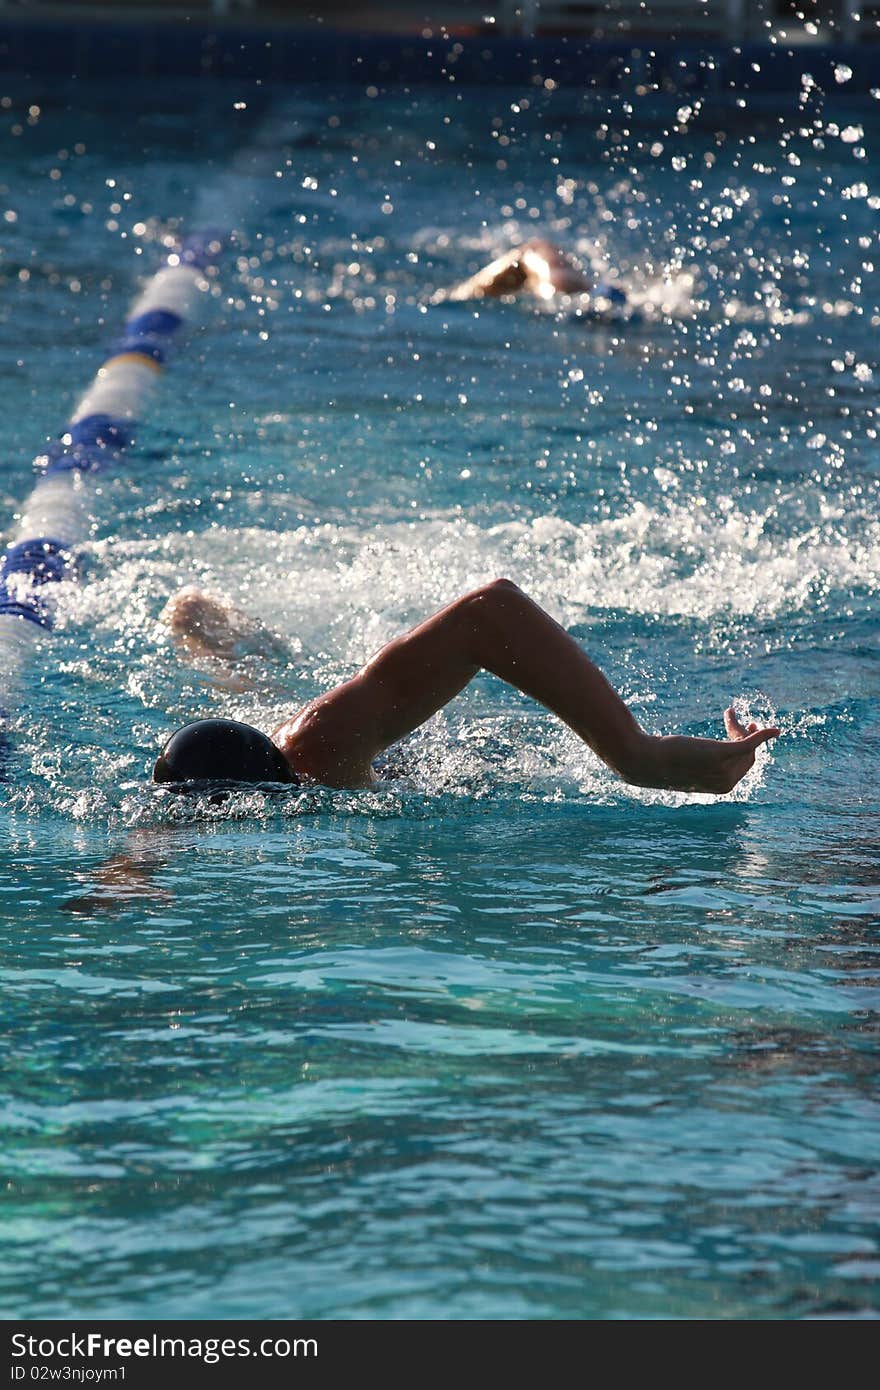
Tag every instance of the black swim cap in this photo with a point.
(221, 750)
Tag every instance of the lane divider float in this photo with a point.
(56, 517)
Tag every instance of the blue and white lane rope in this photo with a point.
(56, 516)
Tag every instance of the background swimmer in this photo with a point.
(538, 268)
(335, 738)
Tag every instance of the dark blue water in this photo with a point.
(503, 1038)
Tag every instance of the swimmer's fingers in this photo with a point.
(749, 735)
(738, 755)
(732, 726)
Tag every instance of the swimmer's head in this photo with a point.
(220, 750)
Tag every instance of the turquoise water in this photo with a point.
(502, 1038)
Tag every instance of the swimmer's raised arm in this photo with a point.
(499, 629)
(537, 267)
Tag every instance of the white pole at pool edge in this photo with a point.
(56, 516)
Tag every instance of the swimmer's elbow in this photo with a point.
(498, 591)
(487, 616)
(496, 600)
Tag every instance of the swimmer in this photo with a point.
(335, 738)
(537, 268)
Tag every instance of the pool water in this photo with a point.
(502, 1038)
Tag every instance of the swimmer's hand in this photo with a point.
(699, 764)
(205, 626)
